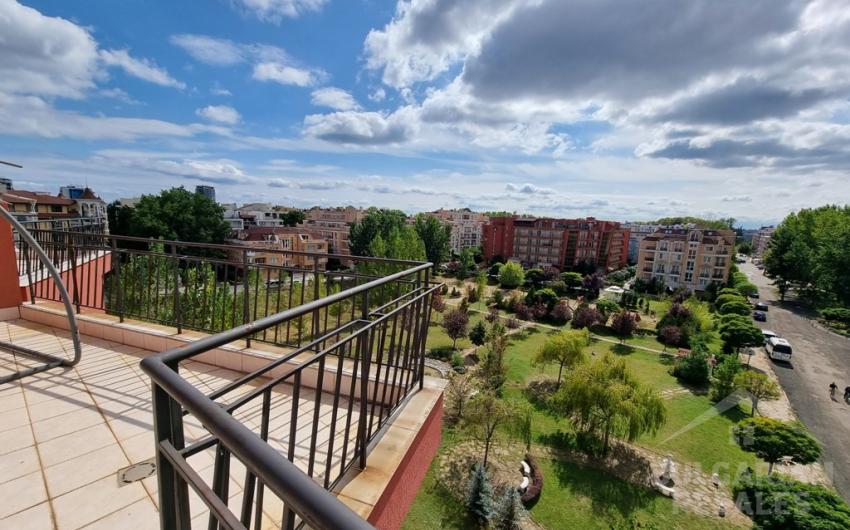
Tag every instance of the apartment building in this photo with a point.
(467, 227)
(333, 225)
(566, 244)
(258, 239)
(206, 191)
(691, 258)
(761, 240)
(639, 231)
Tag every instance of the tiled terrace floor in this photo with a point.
(65, 434)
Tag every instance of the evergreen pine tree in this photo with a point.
(479, 495)
(509, 512)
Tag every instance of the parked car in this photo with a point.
(768, 335)
(760, 306)
(761, 316)
(754, 295)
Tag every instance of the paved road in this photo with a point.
(820, 357)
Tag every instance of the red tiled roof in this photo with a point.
(40, 198)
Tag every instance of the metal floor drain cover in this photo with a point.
(136, 472)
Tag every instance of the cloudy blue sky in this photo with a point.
(623, 109)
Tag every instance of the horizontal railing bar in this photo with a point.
(224, 516)
(277, 362)
(239, 332)
(314, 358)
(198, 446)
(318, 507)
(219, 246)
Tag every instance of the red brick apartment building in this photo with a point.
(562, 243)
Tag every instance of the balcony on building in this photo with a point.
(178, 386)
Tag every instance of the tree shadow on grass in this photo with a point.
(735, 414)
(453, 513)
(608, 495)
(622, 349)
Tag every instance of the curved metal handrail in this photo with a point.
(60, 285)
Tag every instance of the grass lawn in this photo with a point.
(435, 508)
(572, 497)
(708, 442)
(578, 497)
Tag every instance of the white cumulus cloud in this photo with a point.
(143, 69)
(335, 98)
(220, 114)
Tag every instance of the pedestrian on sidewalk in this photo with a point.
(832, 388)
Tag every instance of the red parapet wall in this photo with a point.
(392, 507)
(84, 283)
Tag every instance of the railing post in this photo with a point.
(72, 255)
(26, 254)
(423, 332)
(177, 318)
(173, 490)
(245, 293)
(316, 297)
(365, 361)
(116, 271)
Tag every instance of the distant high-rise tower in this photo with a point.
(206, 191)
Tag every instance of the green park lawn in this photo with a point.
(574, 496)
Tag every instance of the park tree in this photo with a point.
(561, 313)
(481, 284)
(670, 335)
(723, 377)
(773, 502)
(738, 332)
(535, 277)
(509, 511)
(466, 261)
(435, 235)
(511, 275)
(478, 333)
(459, 390)
(175, 214)
(377, 222)
(493, 370)
(485, 414)
(624, 324)
(604, 398)
(479, 495)
(565, 349)
(774, 440)
(572, 280)
(585, 316)
(735, 307)
(455, 323)
(759, 387)
(606, 308)
(592, 284)
(437, 302)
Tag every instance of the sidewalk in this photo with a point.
(781, 409)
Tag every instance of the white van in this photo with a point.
(778, 349)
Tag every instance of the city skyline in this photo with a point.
(315, 102)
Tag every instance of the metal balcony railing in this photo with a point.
(300, 425)
(366, 368)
